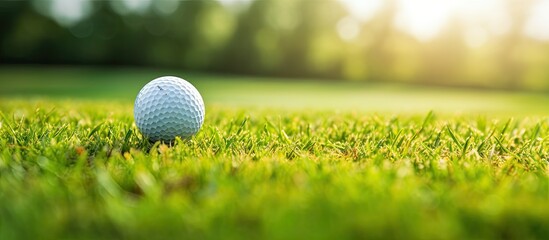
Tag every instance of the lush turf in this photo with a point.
(122, 85)
(80, 170)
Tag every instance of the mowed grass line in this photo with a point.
(122, 85)
(80, 170)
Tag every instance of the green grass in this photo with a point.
(79, 169)
(122, 85)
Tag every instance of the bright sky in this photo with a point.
(364, 10)
(538, 24)
(425, 18)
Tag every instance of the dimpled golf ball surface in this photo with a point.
(168, 107)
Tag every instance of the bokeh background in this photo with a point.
(366, 45)
(489, 43)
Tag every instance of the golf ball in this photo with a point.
(168, 107)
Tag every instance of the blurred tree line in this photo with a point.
(286, 38)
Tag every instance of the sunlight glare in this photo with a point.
(537, 26)
(423, 18)
(361, 9)
(490, 15)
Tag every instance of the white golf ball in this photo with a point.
(168, 107)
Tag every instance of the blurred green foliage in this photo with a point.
(284, 38)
